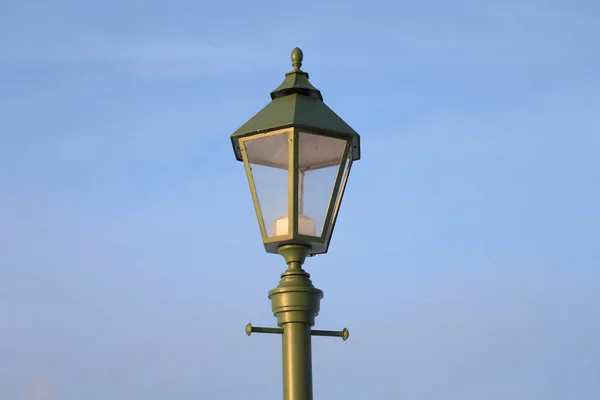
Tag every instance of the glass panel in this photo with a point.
(336, 200)
(319, 159)
(268, 157)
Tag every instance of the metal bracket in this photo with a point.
(344, 334)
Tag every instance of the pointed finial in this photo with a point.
(297, 57)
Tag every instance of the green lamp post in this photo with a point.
(297, 153)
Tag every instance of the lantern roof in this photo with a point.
(297, 103)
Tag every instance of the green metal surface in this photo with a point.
(293, 186)
(296, 102)
(335, 195)
(261, 221)
(297, 80)
(344, 334)
(296, 302)
(318, 244)
(256, 329)
(297, 362)
(297, 106)
(297, 110)
(297, 57)
(336, 207)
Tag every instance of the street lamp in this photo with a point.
(297, 153)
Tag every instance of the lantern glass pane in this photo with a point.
(337, 197)
(319, 162)
(268, 159)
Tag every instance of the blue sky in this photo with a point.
(465, 259)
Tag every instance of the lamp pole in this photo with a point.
(295, 302)
(297, 133)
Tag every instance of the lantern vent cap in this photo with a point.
(296, 81)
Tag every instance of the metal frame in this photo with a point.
(261, 222)
(319, 244)
(331, 206)
(293, 182)
(340, 197)
(296, 301)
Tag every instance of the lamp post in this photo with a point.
(297, 153)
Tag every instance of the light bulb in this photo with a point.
(306, 226)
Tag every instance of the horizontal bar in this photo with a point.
(344, 334)
(256, 329)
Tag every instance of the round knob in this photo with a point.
(345, 334)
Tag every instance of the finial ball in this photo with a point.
(297, 57)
